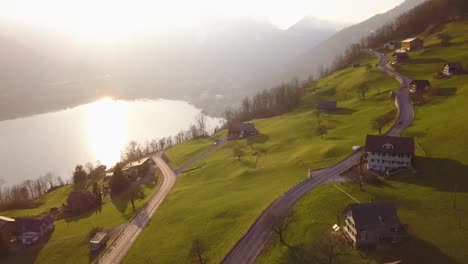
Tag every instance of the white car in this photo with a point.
(356, 148)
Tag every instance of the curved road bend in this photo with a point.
(251, 244)
(117, 251)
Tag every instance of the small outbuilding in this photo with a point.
(98, 241)
(398, 57)
(373, 224)
(419, 86)
(241, 130)
(412, 44)
(327, 105)
(452, 68)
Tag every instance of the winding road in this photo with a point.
(247, 249)
(120, 247)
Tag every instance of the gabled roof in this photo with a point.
(135, 163)
(328, 105)
(454, 65)
(401, 145)
(4, 220)
(25, 224)
(420, 83)
(373, 215)
(410, 39)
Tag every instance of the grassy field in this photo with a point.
(434, 201)
(53, 199)
(69, 242)
(219, 200)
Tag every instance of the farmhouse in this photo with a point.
(79, 202)
(7, 227)
(327, 105)
(391, 45)
(29, 230)
(412, 44)
(398, 57)
(241, 130)
(373, 224)
(138, 168)
(419, 86)
(385, 153)
(452, 68)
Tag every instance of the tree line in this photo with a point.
(21, 196)
(267, 103)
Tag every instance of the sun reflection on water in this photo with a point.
(105, 123)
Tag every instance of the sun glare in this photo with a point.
(105, 126)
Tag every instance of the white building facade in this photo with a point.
(385, 153)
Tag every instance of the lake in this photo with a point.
(55, 142)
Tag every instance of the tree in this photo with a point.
(118, 181)
(200, 121)
(197, 251)
(49, 177)
(279, 222)
(381, 121)
(237, 152)
(79, 176)
(328, 247)
(362, 90)
(321, 130)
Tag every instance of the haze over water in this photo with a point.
(56, 142)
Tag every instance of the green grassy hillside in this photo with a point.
(434, 202)
(220, 198)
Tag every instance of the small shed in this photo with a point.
(98, 241)
(327, 105)
(412, 44)
(241, 130)
(398, 57)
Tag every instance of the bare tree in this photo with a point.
(50, 179)
(321, 130)
(329, 247)
(200, 121)
(279, 223)
(238, 153)
(197, 251)
(362, 90)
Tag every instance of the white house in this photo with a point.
(386, 153)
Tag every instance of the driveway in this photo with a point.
(117, 250)
(247, 249)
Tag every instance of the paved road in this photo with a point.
(117, 251)
(250, 245)
(221, 141)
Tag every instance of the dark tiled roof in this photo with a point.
(28, 224)
(248, 127)
(328, 105)
(372, 215)
(454, 66)
(420, 83)
(401, 145)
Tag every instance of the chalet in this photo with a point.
(241, 130)
(398, 57)
(452, 68)
(419, 86)
(138, 168)
(385, 153)
(7, 228)
(79, 202)
(327, 105)
(412, 44)
(98, 241)
(373, 224)
(30, 230)
(391, 45)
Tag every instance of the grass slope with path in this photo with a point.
(220, 198)
(69, 243)
(437, 216)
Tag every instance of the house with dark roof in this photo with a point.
(241, 130)
(385, 153)
(138, 168)
(79, 202)
(373, 224)
(452, 68)
(419, 86)
(398, 57)
(327, 105)
(30, 230)
(412, 44)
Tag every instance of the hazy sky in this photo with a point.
(105, 18)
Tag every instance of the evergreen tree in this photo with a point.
(119, 181)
